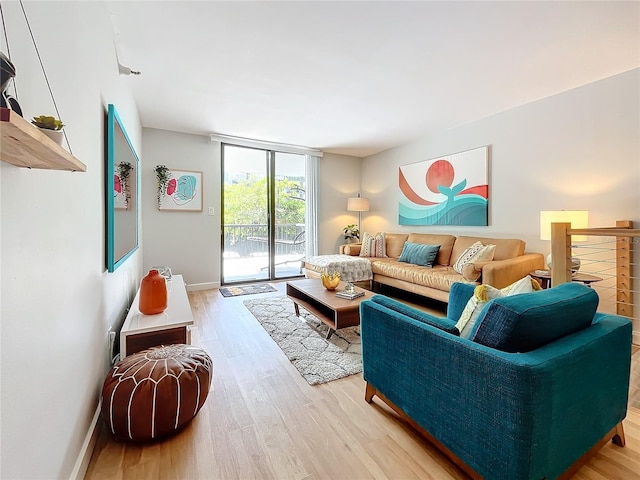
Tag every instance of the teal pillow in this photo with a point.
(419, 254)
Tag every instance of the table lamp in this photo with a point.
(577, 219)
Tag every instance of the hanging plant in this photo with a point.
(162, 174)
(124, 172)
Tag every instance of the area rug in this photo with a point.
(247, 289)
(303, 340)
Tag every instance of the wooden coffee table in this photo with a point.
(334, 311)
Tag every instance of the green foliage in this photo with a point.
(245, 202)
(48, 122)
(162, 174)
(124, 171)
(351, 232)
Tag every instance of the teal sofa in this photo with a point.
(540, 384)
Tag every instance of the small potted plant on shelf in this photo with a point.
(351, 233)
(50, 126)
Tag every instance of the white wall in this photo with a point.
(58, 301)
(577, 150)
(339, 179)
(188, 242)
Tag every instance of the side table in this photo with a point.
(544, 277)
(172, 326)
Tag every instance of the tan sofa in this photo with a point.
(510, 263)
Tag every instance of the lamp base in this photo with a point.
(575, 263)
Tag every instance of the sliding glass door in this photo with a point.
(263, 202)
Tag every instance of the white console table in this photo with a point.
(140, 332)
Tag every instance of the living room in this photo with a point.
(576, 149)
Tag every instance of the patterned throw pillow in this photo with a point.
(482, 294)
(475, 253)
(373, 245)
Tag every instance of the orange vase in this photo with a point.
(153, 294)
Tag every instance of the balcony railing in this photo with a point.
(247, 240)
(608, 254)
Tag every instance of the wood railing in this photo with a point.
(608, 254)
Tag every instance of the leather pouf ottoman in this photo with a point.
(156, 392)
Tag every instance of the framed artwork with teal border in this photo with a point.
(448, 190)
(183, 191)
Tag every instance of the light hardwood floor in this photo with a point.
(263, 421)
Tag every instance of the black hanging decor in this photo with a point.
(7, 72)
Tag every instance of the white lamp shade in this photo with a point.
(357, 204)
(577, 219)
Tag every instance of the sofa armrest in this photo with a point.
(501, 273)
(352, 249)
(459, 296)
(442, 323)
(506, 415)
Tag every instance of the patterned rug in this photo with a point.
(303, 340)
(247, 289)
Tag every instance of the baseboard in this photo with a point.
(82, 463)
(202, 286)
(636, 338)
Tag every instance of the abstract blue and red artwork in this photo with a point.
(449, 190)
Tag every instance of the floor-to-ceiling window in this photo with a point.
(263, 220)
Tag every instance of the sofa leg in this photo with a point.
(369, 392)
(618, 437)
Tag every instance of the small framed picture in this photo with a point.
(182, 192)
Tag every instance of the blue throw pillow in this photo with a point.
(528, 321)
(419, 254)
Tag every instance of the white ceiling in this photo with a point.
(360, 77)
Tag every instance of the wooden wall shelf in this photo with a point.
(24, 145)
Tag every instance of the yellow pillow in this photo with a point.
(482, 294)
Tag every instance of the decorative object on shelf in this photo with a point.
(179, 189)
(162, 175)
(50, 126)
(449, 190)
(351, 232)
(10, 71)
(153, 294)
(164, 271)
(7, 73)
(358, 204)
(349, 296)
(25, 146)
(349, 292)
(22, 144)
(577, 219)
(330, 280)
